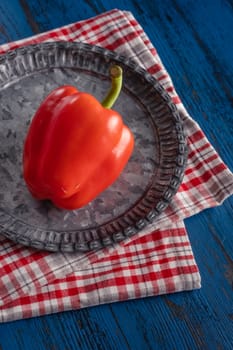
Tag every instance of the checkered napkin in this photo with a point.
(158, 259)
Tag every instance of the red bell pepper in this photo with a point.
(75, 147)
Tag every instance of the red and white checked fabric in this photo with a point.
(156, 260)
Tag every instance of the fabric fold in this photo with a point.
(157, 263)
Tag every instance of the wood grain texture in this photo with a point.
(194, 40)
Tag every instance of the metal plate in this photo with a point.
(145, 187)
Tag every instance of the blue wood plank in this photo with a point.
(13, 23)
(194, 40)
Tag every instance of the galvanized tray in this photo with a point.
(145, 187)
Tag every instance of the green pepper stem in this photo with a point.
(116, 84)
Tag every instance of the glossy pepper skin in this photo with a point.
(74, 149)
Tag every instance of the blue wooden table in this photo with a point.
(195, 42)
